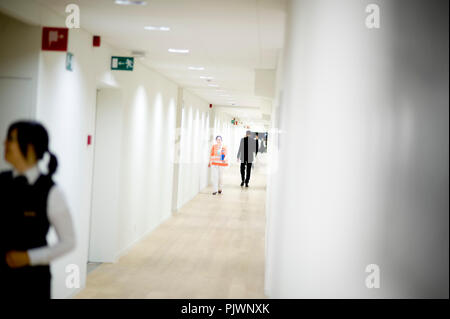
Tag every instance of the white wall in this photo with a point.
(364, 145)
(272, 174)
(66, 106)
(19, 50)
(18, 74)
(194, 135)
(147, 153)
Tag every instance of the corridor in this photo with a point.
(117, 118)
(212, 248)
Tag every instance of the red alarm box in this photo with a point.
(96, 41)
(55, 39)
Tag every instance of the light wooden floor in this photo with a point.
(212, 248)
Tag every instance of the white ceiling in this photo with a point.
(230, 38)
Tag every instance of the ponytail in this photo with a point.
(35, 134)
(52, 164)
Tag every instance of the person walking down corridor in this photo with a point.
(247, 148)
(30, 203)
(217, 161)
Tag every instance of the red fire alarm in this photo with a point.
(89, 140)
(96, 41)
(210, 106)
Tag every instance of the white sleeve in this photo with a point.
(59, 217)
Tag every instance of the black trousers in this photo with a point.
(249, 170)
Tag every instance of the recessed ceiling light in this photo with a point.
(156, 28)
(178, 50)
(130, 2)
(206, 77)
(196, 68)
(213, 85)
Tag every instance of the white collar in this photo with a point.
(32, 174)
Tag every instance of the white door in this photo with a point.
(15, 104)
(103, 241)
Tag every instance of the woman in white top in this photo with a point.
(30, 202)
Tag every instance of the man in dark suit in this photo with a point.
(247, 150)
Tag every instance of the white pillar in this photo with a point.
(363, 152)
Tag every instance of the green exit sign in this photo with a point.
(122, 63)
